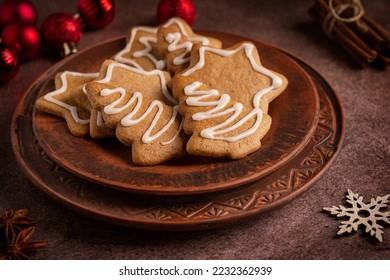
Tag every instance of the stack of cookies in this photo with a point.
(170, 92)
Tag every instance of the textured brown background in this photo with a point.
(299, 230)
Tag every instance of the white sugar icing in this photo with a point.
(50, 97)
(130, 120)
(220, 109)
(146, 52)
(193, 38)
(196, 97)
(155, 72)
(160, 64)
(137, 99)
(174, 38)
(276, 80)
(147, 41)
(99, 120)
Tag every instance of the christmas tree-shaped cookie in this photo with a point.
(224, 96)
(138, 105)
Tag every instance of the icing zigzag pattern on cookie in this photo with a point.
(146, 50)
(140, 50)
(138, 113)
(111, 66)
(135, 116)
(175, 40)
(234, 121)
(224, 96)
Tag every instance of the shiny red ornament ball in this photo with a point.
(24, 38)
(167, 9)
(96, 13)
(17, 11)
(8, 63)
(62, 32)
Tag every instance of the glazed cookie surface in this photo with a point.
(224, 96)
(136, 103)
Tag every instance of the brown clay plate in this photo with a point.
(108, 162)
(193, 212)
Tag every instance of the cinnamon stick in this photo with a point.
(361, 53)
(367, 42)
(347, 32)
(379, 29)
(370, 35)
(358, 54)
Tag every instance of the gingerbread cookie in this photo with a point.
(147, 47)
(117, 74)
(141, 51)
(97, 128)
(62, 102)
(174, 42)
(224, 96)
(132, 101)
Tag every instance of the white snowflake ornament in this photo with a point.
(361, 213)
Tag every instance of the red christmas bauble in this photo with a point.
(62, 32)
(167, 9)
(24, 38)
(8, 63)
(17, 11)
(96, 13)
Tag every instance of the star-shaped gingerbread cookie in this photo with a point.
(136, 103)
(61, 102)
(169, 44)
(141, 50)
(224, 96)
(174, 41)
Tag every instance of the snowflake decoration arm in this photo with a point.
(361, 213)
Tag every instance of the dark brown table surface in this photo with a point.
(299, 230)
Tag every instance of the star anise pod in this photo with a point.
(14, 221)
(20, 248)
(15, 231)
